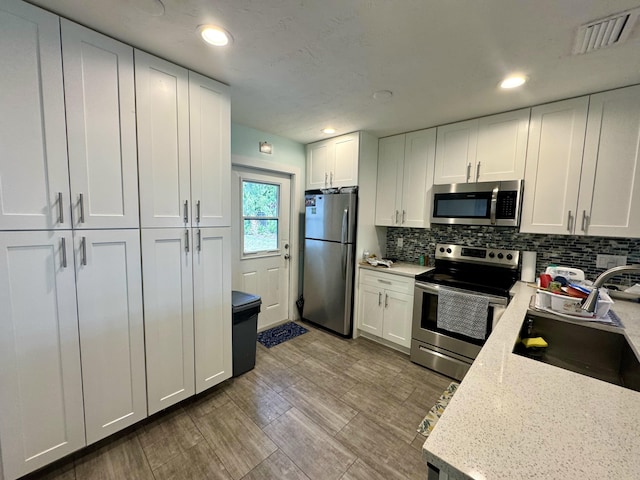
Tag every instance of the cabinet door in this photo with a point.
(609, 198)
(210, 132)
(109, 286)
(456, 152)
(370, 309)
(168, 321)
(162, 104)
(41, 418)
(34, 178)
(502, 146)
(389, 186)
(398, 308)
(212, 305)
(344, 169)
(554, 160)
(417, 185)
(317, 165)
(100, 108)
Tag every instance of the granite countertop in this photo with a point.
(399, 268)
(513, 417)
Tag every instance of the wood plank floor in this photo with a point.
(315, 407)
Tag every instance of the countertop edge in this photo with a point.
(398, 268)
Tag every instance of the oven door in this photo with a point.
(442, 350)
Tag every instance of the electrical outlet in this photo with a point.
(610, 261)
(400, 242)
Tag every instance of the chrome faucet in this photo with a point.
(589, 303)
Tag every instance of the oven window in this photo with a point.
(429, 317)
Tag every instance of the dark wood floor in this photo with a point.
(315, 407)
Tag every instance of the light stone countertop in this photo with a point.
(399, 268)
(513, 417)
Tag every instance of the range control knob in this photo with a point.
(509, 256)
(491, 254)
(500, 256)
(441, 249)
(448, 250)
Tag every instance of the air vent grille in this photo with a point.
(605, 32)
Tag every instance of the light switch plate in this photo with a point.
(610, 261)
(400, 242)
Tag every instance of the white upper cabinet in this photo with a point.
(609, 199)
(210, 133)
(34, 177)
(101, 128)
(41, 419)
(184, 142)
(162, 102)
(109, 286)
(554, 162)
(405, 179)
(487, 149)
(333, 163)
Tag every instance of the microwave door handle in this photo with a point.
(494, 205)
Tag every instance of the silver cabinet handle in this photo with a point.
(186, 211)
(60, 209)
(570, 222)
(379, 298)
(198, 211)
(397, 213)
(186, 240)
(404, 213)
(63, 247)
(585, 220)
(199, 246)
(386, 282)
(331, 179)
(325, 178)
(386, 300)
(81, 203)
(478, 171)
(83, 250)
(468, 171)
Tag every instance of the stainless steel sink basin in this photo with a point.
(589, 349)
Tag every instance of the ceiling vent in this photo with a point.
(605, 32)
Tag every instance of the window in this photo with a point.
(260, 212)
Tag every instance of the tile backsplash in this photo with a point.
(567, 250)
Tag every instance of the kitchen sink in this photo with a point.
(593, 350)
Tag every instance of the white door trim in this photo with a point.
(297, 199)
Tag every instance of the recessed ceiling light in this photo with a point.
(328, 130)
(382, 95)
(513, 81)
(215, 35)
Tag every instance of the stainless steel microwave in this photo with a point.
(482, 203)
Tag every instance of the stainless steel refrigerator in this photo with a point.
(329, 248)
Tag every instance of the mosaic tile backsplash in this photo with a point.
(567, 250)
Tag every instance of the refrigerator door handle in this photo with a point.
(344, 260)
(345, 226)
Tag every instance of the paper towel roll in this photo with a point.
(528, 273)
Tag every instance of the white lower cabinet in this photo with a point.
(187, 297)
(109, 287)
(41, 413)
(385, 306)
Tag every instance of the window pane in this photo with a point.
(259, 199)
(260, 235)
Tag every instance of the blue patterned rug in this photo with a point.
(276, 335)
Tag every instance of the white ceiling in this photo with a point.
(296, 66)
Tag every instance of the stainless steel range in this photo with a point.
(477, 278)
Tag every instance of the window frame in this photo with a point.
(261, 253)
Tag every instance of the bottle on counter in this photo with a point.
(421, 260)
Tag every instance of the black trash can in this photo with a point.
(246, 308)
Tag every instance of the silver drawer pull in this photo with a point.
(81, 202)
(199, 246)
(198, 211)
(379, 298)
(186, 240)
(186, 211)
(386, 300)
(63, 247)
(60, 209)
(83, 250)
(387, 282)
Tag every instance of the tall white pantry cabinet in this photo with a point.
(72, 340)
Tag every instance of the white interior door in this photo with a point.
(261, 240)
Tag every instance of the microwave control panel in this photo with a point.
(507, 204)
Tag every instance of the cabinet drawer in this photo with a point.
(388, 281)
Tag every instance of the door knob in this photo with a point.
(286, 246)
(287, 256)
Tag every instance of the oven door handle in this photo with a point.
(434, 289)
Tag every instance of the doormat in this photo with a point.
(429, 422)
(276, 335)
